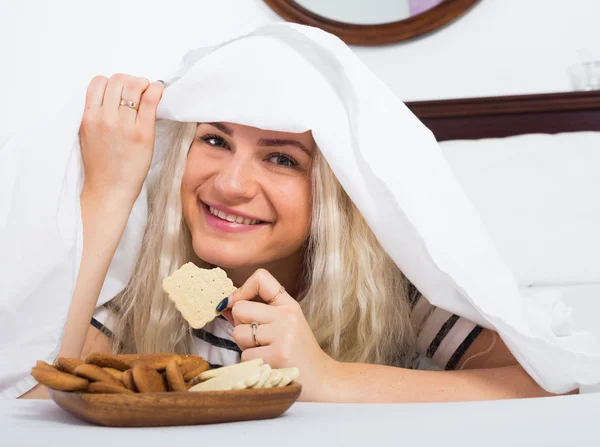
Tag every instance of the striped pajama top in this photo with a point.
(442, 337)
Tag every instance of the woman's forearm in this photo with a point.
(356, 382)
(104, 220)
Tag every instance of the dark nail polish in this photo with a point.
(223, 305)
(161, 81)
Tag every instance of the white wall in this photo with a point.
(500, 47)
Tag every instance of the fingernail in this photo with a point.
(223, 305)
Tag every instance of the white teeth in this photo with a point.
(232, 217)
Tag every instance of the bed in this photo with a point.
(530, 166)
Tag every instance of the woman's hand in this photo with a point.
(283, 334)
(117, 142)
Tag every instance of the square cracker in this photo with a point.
(196, 292)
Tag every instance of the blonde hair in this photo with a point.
(355, 298)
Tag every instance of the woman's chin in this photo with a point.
(224, 257)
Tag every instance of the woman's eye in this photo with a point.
(215, 141)
(283, 160)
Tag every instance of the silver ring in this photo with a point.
(254, 326)
(130, 104)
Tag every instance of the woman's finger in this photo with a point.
(263, 285)
(244, 337)
(95, 93)
(132, 91)
(148, 104)
(245, 312)
(114, 92)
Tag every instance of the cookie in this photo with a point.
(196, 292)
(43, 365)
(105, 360)
(68, 365)
(237, 377)
(155, 361)
(288, 376)
(225, 369)
(265, 373)
(274, 379)
(115, 373)
(191, 375)
(58, 380)
(96, 374)
(104, 387)
(175, 378)
(147, 379)
(191, 363)
(127, 380)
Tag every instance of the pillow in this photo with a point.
(539, 197)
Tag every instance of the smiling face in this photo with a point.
(246, 195)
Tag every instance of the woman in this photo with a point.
(264, 206)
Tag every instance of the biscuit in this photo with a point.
(156, 361)
(265, 373)
(127, 380)
(274, 379)
(43, 365)
(191, 375)
(68, 365)
(58, 380)
(95, 374)
(245, 375)
(105, 360)
(196, 292)
(288, 376)
(175, 378)
(225, 369)
(114, 372)
(104, 387)
(191, 363)
(147, 379)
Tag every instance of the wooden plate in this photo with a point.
(182, 408)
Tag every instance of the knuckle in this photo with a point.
(237, 333)
(283, 354)
(236, 310)
(261, 274)
(291, 317)
(120, 77)
(99, 80)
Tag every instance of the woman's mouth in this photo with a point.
(227, 220)
(232, 217)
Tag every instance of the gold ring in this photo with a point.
(278, 293)
(130, 104)
(254, 326)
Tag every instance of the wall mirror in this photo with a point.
(373, 22)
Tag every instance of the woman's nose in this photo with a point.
(236, 178)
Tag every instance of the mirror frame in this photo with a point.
(393, 32)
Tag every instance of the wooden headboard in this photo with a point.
(503, 116)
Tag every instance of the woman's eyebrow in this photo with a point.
(281, 143)
(223, 128)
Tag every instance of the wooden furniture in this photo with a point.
(432, 20)
(503, 116)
